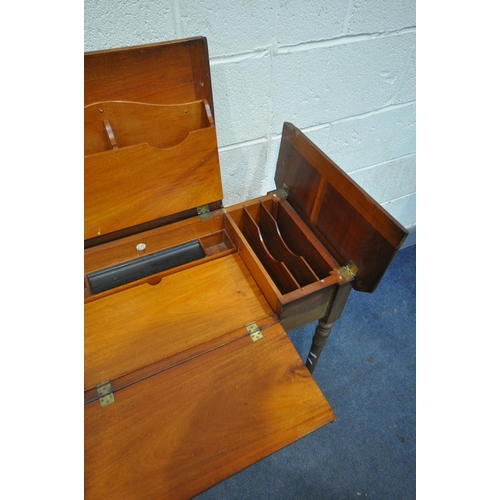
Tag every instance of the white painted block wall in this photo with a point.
(341, 70)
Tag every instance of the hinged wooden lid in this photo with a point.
(151, 153)
(349, 222)
(162, 73)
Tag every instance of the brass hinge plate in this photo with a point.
(281, 193)
(204, 212)
(349, 271)
(105, 394)
(254, 331)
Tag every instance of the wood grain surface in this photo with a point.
(192, 426)
(131, 123)
(160, 73)
(137, 184)
(144, 324)
(346, 219)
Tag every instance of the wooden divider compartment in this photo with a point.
(287, 261)
(285, 258)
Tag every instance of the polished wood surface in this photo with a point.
(131, 123)
(278, 271)
(199, 349)
(347, 220)
(151, 149)
(144, 324)
(195, 399)
(160, 73)
(295, 304)
(125, 249)
(147, 226)
(213, 416)
(277, 246)
(133, 185)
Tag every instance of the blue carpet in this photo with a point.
(367, 372)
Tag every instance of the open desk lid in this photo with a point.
(348, 221)
(151, 153)
(163, 73)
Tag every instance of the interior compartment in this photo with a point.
(213, 245)
(289, 252)
(216, 243)
(300, 240)
(273, 240)
(112, 277)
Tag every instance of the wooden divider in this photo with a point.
(278, 271)
(113, 124)
(279, 249)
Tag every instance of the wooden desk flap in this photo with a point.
(180, 432)
(348, 221)
(143, 325)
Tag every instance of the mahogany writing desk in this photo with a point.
(189, 373)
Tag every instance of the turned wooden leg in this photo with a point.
(325, 324)
(319, 341)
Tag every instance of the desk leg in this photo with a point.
(324, 327)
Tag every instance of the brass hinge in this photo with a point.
(105, 393)
(254, 331)
(281, 193)
(348, 272)
(204, 212)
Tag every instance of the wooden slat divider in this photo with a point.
(299, 239)
(278, 270)
(279, 249)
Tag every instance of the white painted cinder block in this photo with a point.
(403, 209)
(115, 23)
(389, 180)
(231, 27)
(375, 16)
(241, 101)
(302, 22)
(241, 170)
(332, 82)
(343, 71)
(407, 88)
(373, 138)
